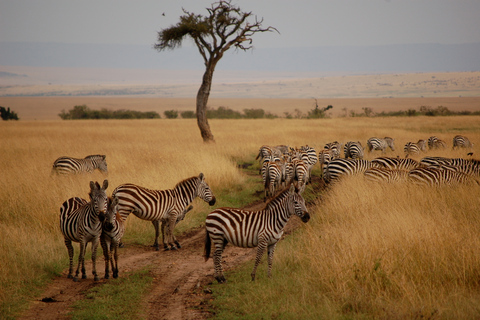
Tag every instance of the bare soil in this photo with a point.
(181, 282)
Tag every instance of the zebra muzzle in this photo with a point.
(306, 217)
(212, 202)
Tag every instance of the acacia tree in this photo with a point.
(225, 27)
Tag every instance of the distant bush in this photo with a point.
(318, 113)
(223, 113)
(7, 114)
(83, 112)
(254, 113)
(188, 114)
(171, 114)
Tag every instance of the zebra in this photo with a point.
(81, 221)
(266, 151)
(353, 150)
(113, 229)
(272, 176)
(436, 143)
(412, 148)
(343, 167)
(301, 173)
(68, 165)
(385, 175)
(248, 229)
(309, 157)
(336, 148)
(380, 144)
(461, 142)
(324, 158)
(437, 161)
(395, 163)
(165, 206)
(435, 176)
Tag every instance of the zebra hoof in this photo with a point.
(221, 279)
(173, 248)
(115, 275)
(70, 276)
(96, 278)
(84, 276)
(75, 279)
(121, 245)
(106, 276)
(178, 245)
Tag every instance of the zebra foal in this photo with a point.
(354, 150)
(81, 221)
(68, 165)
(380, 144)
(113, 229)
(248, 229)
(460, 141)
(165, 206)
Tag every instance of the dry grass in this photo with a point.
(407, 241)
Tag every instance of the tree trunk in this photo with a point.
(202, 100)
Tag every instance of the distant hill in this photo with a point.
(347, 59)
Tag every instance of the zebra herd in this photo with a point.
(102, 219)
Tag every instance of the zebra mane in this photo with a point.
(279, 198)
(95, 156)
(185, 181)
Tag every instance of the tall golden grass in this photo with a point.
(403, 253)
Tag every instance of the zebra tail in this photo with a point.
(208, 246)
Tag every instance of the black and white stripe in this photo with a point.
(412, 148)
(345, 167)
(335, 147)
(395, 163)
(436, 143)
(460, 141)
(68, 165)
(113, 229)
(438, 161)
(354, 150)
(436, 176)
(385, 175)
(380, 144)
(268, 151)
(81, 221)
(248, 229)
(165, 206)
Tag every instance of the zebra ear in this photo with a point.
(92, 185)
(292, 189)
(105, 184)
(201, 176)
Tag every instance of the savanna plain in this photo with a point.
(370, 251)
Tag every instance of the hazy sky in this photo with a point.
(300, 22)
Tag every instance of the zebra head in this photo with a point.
(297, 204)
(111, 215)
(204, 191)
(99, 199)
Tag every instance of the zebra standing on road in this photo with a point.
(113, 229)
(165, 206)
(353, 150)
(345, 167)
(248, 229)
(436, 176)
(380, 144)
(460, 141)
(81, 221)
(395, 163)
(67, 165)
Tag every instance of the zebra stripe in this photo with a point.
(81, 221)
(301, 174)
(324, 158)
(272, 179)
(113, 229)
(412, 148)
(67, 165)
(248, 229)
(385, 175)
(165, 206)
(353, 150)
(395, 163)
(380, 144)
(268, 151)
(460, 141)
(345, 167)
(438, 161)
(436, 143)
(336, 147)
(435, 177)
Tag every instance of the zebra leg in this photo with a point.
(94, 259)
(114, 260)
(271, 251)
(261, 248)
(217, 261)
(171, 222)
(165, 246)
(105, 249)
(81, 261)
(68, 243)
(157, 232)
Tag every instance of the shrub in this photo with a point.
(7, 114)
(188, 114)
(83, 112)
(171, 114)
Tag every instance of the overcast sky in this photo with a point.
(300, 22)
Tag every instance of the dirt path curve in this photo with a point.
(180, 286)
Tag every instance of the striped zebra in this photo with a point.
(380, 144)
(336, 148)
(68, 165)
(385, 175)
(412, 148)
(460, 141)
(81, 221)
(268, 151)
(301, 174)
(272, 177)
(165, 206)
(353, 150)
(248, 229)
(470, 167)
(308, 155)
(435, 176)
(113, 229)
(438, 161)
(345, 167)
(324, 158)
(436, 143)
(395, 163)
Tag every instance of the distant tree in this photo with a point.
(317, 113)
(188, 114)
(224, 27)
(7, 114)
(171, 114)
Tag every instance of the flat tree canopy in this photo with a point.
(224, 27)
